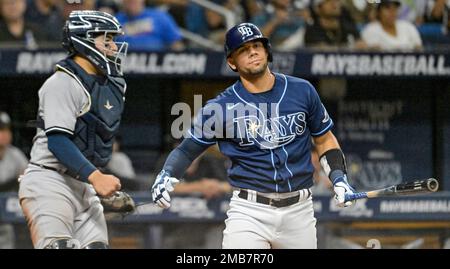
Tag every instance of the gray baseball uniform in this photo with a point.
(72, 209)
(12, 164)
(61, 101)
(78, 118)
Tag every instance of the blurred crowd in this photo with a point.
(155, 25)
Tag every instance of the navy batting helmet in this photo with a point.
(243, 33)
(79, 33)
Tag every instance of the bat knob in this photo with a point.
(432, 184)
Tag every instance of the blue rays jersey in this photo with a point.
(267, 136)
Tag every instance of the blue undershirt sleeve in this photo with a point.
(69, 155)
(181, 157)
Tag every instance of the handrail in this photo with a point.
(200, 40)
(230, 21)
(230, 18)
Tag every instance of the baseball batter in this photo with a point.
(266, 132)
(79, 113)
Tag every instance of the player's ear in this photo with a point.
(231, 64)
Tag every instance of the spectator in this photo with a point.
(47, 15)
(209, 181)
(107, 6)
(121, 166)
(14, 29)
(330, 29)
(205, 177)
(176, 8)
(252, 8)
(390, 33)
(83, 5)
(195, 20)
(216, 22)
(280, 21)
(360, 11)
(148, 28)
(210, 24)
(12, 163)
(436, 9)
(446, 19)
(412, 11)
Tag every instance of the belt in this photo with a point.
(67, 172)
(273, 202)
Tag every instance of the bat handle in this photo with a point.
(355, 196)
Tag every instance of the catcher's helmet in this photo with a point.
(243, 33)
(79, 33)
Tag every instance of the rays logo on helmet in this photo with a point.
(245, 31)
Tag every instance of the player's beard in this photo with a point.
(255, 72)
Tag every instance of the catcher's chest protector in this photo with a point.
(96, 129)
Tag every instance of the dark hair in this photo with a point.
(384, 3)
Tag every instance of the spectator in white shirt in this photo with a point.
(388, 32)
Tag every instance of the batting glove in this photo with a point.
(164, 184)
(341, 188)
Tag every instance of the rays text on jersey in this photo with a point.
(251, 124)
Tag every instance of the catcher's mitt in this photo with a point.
(119, 202)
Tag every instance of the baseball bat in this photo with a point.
(407, 188)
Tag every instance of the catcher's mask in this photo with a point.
(79, 33)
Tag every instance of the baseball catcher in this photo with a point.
(79, 114)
